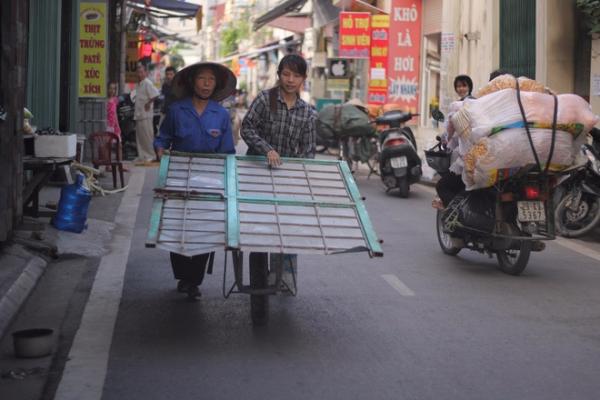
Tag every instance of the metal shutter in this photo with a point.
(517, 37)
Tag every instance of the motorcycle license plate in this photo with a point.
(531, 211)
(399, 162)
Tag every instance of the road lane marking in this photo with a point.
(576, 246)
(427, 188)
(85, 370)
(398, 285)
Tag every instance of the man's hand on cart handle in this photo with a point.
(273, 159)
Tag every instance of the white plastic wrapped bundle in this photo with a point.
(493, 159)
(479, 117)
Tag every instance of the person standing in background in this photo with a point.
(145, 94)
(166, 92)
(112, 122)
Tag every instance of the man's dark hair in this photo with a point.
(293, 62)
(170, 68)
(466, 79)
(498, 72)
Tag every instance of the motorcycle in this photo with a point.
(399, 163)
(347, 131)
(125, 111)
(509, 220)
(578, 209)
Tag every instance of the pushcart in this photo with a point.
(208, 202)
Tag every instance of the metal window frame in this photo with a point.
(232, 199)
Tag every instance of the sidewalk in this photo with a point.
(36, 244)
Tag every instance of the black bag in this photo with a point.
(438, 159)
(339, 120)
(474, 210)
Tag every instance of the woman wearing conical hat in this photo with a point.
(197, 123)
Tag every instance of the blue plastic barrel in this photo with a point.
(73, 207)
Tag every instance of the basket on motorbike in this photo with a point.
(439, 159)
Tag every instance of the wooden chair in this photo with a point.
(107, 151)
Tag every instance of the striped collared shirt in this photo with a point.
(290, 132)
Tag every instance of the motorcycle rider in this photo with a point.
(451, 184)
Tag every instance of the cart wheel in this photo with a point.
(259, 304)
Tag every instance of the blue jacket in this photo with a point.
(183, 129)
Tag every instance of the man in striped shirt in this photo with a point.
(279, 124)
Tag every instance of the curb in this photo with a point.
(18, 292)
(428, 182)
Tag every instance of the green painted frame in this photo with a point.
(233, 198)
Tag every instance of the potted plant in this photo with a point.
(591, 15)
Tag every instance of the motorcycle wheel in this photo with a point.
(403, 187)
(259, 304)
(443, 238)
(575, 224)
(513, 262)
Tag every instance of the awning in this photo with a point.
(324, 13)
(166, 8)
(255, 52)
(163, 35)
(358, 6)
(282, 8)
(293, 24)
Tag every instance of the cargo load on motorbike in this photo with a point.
(339, 120)
(516, 123)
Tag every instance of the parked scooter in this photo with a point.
(399, 163)
(578, 210)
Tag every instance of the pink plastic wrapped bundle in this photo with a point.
(493, 159)
(508, 81)
(500, 110)
(454, 107)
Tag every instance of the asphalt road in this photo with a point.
(415, 324)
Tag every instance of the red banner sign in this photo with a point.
(405, 51)
(355, 35)
(378, 63)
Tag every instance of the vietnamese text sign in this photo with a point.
(448, 42)
(595, 85)
(338, 84)
(378, 63)
(92, 49)
(355, 37)
(405, 51)
(131, 57)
